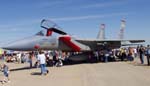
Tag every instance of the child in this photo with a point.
(5, 70)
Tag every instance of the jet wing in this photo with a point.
(109, 40)
(136, 41)
(96, 44)
(132, 42)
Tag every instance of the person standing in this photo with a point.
(106, 55)
(135, 52)
(131, 54)
(148, 54)
(5, 70)
(19, 57)
(30, 58)
(141, 52)
(42, 61)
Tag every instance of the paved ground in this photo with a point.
(97, 74)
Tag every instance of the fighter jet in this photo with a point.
(63, 42)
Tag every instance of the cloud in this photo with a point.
(89, 17)
(51, 3)
(19, 25)
(105, 4)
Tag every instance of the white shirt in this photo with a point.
(135, 51)
(19, 55)
(42, 58)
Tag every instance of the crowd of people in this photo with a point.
(123, 54)
(56, 58)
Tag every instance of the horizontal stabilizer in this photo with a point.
(136, 41)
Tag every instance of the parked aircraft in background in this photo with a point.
(63, 42)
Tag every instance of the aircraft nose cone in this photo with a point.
(18, 45)
(12, 46)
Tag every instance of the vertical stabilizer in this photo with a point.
(121, 33)
(101, 34)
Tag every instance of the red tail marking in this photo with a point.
(67, 41)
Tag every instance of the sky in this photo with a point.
(80, 18)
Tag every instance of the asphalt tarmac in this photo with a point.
(86, 74)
